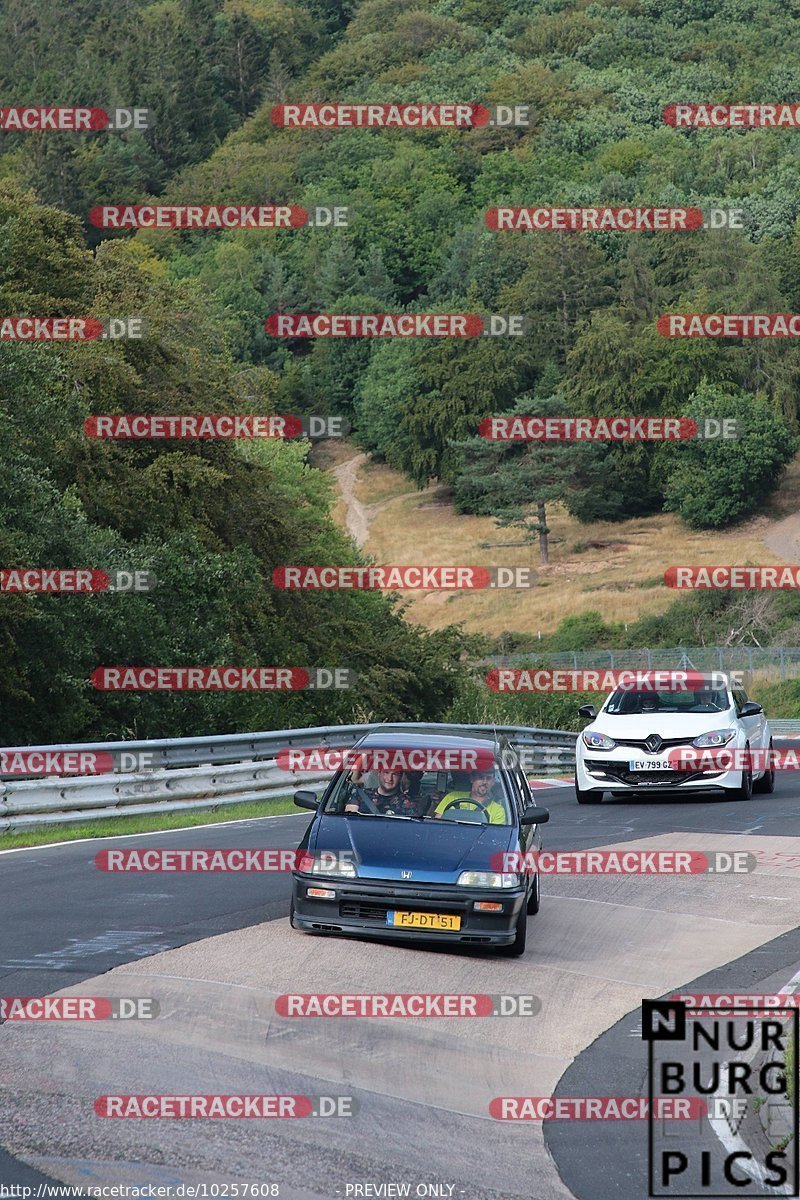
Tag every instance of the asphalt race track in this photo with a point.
(215, 950)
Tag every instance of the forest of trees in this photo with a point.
(211, 519)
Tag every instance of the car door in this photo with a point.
(530, 835)
(755, 727)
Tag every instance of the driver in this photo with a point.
(480, 791)
(388, 797)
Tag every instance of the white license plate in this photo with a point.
(650, 764)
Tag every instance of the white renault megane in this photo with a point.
(710, 739)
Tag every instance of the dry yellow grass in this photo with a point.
(421, 527)
(330, 452)
(377, 483)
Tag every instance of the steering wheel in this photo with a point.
(468, 800)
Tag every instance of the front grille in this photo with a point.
(618, 770)
(364, 912)
(666, 744)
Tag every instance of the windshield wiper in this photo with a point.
(451, 821)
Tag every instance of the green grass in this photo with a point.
(152, 822)
(791, 1082)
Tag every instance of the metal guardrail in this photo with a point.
(196, 773)
(783, 661)
(784, 728)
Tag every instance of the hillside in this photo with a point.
(213, 519)
(613, 569)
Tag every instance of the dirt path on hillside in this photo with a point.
(356, 519)
(359, 516)
(784, 538)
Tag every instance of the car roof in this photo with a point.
(413, 739)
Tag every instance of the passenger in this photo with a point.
(388, 797)
(410, 782)
(480, 790)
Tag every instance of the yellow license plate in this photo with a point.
(420, 920)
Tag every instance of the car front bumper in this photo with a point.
(595, 772)
(360, 906)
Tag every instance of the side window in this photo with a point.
(527, 798)
(739, 699)
(519, 787)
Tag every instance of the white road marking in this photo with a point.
(151, 832)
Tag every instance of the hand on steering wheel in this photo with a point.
(467, 800)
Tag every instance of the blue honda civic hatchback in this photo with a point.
(409, 841)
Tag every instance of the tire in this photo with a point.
(291, 913)
(745, 792)
(517, 947)
(587, 797)
(766, 784)
(535, 898)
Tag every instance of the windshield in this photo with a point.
(703, 700)
(471, 797)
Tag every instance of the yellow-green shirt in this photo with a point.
(495, 811)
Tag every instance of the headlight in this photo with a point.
(717, 737)
(597, 741)
(329, 863)
(488, 879)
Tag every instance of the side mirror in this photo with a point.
(535, 816)
(751, 709)
(587, 710)
(306, 799)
